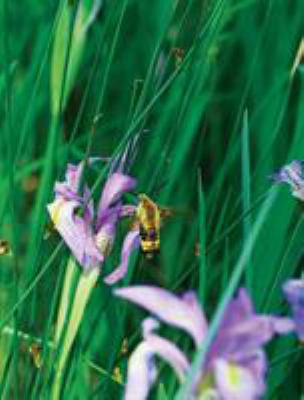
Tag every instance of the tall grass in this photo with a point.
(206, 86)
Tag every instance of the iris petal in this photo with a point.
(292, 174)
(234, 382)
(294, 293)
(115, 186)
(131, 242)
(142, 371)
(182, 312)
(75, 231)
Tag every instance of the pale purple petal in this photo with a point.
(104, 238)
(164, 348)
(106, 231)
(141, 367)
(69, 188)
(148, 326)
(131, 242)
(116, 185)
(75, 231)
(257, 364)
(73, 175)
(261, 328)
(184, 313)
(292, 174)
(294, 292)
(281, 325)
(169, 353)
(234, 382)
(142, 373)
(243, 332)
(110, 216)
(88, 206)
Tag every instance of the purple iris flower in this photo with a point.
(87, 233)
(236, 364)
(293, 175)
(294, 292)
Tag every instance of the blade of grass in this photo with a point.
(200, 357)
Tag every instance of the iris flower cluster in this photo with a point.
(88, 232)
(236, 363)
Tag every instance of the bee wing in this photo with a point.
(166, 212)
(169, 212)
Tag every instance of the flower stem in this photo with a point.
(82, 294)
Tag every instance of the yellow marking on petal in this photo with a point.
(234, 374)
(55, 210)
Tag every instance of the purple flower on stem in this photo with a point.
(293, 175)
(294, 292)
(89, 236)
(236, 365)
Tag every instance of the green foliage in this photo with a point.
(206, 86)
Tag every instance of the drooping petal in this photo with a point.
(234, 382)
(292, 174)
(170, 353)
(294, 293)
(164, 348)
(141, 373)
(116, 185)
(182, 312)
(131, 242)
(141, 366)
(75, 231)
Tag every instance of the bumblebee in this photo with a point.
(149, 216)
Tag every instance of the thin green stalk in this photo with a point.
(246, 194)
(110, 58)
(200, 357)
(202, 242)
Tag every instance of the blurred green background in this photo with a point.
(208, 88)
